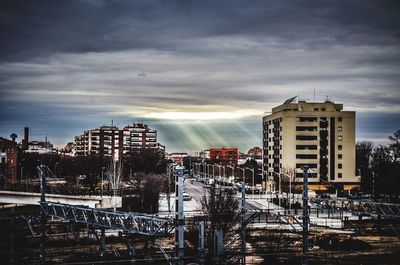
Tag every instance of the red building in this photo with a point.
(223, 154)
(8, 160)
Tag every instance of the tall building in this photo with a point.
(114, 142)
(317, 134)
(226, 155)
(103, 141)
(8, 160)
(137, 136)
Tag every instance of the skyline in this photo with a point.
(201, 73)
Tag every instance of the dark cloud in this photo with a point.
(39, 28)
(72, 65)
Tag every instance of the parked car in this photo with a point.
(186, 197)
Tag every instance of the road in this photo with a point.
(197, 190)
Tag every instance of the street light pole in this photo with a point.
(233, 171)
(243, 210)
(290, 189)
(169, 171)
(252, 171)
(279, 191)
(102, 181)
(373, 184)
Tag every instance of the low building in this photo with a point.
(39, 147)
(225, 155)
(8, 160)
(177, 158)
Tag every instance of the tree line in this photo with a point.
(379, 166)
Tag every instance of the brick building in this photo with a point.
(225, 155)
(8, 160)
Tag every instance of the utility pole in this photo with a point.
(201, 242)
(305, 216)
(179, 233)
(43, 219)
(242, 218)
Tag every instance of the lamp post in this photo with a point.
(169, 171)
(252, 171)
(243, 245)
(373, 184)
(279, 191)
(219, 172)
(233, 171)
(290, 189)
(102, 180)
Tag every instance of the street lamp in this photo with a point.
(290, 189)
(244, 178)
(233, 171)
(219, 172)
(373, 184)
(102, 180)
(252, 171)
(169, 171)
(279, 192)
(212, 171)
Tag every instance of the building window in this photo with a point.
(340, 147)
(306, 147)
(340, 138)
(340, 128)
(306, 128)
(306, 156)
(300, 165)
(316, 109)
(280, 147)
(339, 175)
(307, 119)
(340, 156)
(340, 165)
(323, 109)
(306, 137)
(340, 119)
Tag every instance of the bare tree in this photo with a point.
(114, 174)
(395, 145)
(222, 212)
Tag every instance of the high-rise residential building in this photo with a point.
(317, 134)
(137, 136)
(114, 142)
(103, 141)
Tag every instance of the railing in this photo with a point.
(386, 210)
(129, 223)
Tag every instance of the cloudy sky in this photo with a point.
(202, 73)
